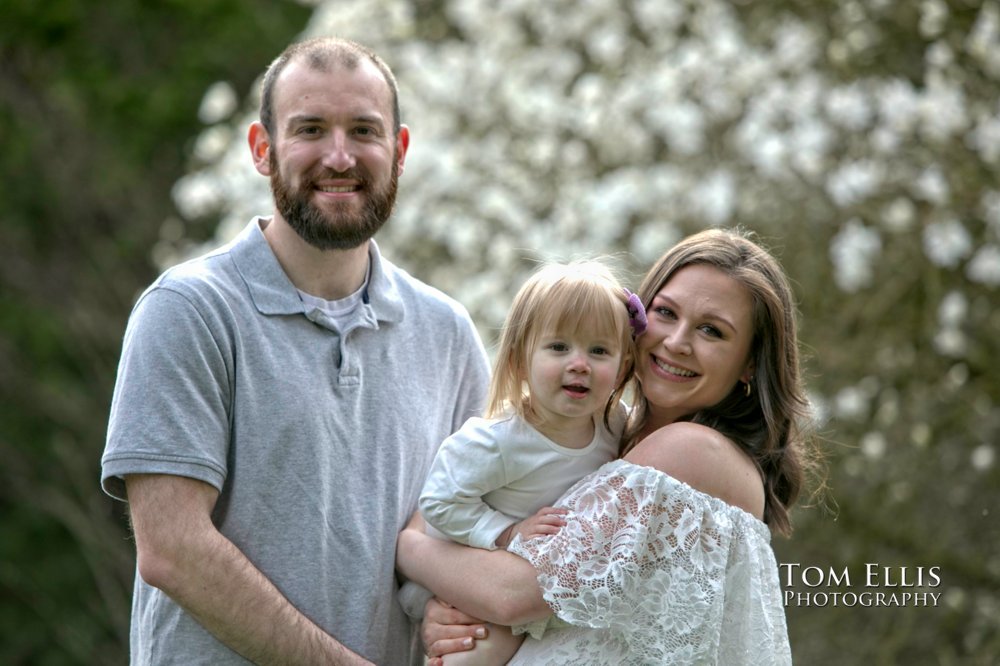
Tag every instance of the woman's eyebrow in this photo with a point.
(708, 314)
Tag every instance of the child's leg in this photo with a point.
(413, 598)
(493, 651)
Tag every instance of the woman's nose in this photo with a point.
(677, 341)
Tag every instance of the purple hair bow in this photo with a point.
(636, 313)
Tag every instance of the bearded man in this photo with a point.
(279, 400)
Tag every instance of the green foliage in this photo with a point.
(99, 106)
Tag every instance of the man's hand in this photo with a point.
(446, 630)
(547, 521)
(181, 552)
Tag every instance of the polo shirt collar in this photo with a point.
(274, 294)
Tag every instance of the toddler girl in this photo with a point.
(554, 415)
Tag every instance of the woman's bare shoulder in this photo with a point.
(706, 460)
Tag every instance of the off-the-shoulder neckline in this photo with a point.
(715, 502)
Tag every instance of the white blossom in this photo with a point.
(681, 124)
(213, 142)
(931, 185)
(849, 106)
(984, 138)
(983, 41)
(933, 16)
(218, 103)
(582, 127)
(852, 403)
(983, 457)
(984, 267)
(953, 309)
(652, 239)
(854, 182)
(899, 214)
(197, 195)
(853, 251)
(939, 55)
(943, 109)
(796, 45)
(873, 445)
(951, 341)
(658, 16)
(946, 243)
(899, 105)
(989, 204)
(607, 44)
(715, 197)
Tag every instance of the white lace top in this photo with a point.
(649, 570)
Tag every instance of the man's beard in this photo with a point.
(338, 229)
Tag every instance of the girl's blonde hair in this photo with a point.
(558, 298)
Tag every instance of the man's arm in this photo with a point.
(494, 585)
(182, 553)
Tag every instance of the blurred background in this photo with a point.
(859, 139)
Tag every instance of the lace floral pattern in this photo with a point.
(649, 570)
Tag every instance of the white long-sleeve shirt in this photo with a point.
(493, 473)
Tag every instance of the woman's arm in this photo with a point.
(496, 586)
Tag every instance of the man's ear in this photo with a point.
(402, 145)
(260, 148)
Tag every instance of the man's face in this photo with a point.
(335, 160)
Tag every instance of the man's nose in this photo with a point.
(338, 154)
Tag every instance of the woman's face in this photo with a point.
(697, 344)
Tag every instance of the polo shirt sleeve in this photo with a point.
(473, 375)
(468, 465)
(170, 410)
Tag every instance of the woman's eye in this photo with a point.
(712, 330)
(664, 311)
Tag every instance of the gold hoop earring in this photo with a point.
(747, 390)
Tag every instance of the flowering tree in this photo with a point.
(860, 139)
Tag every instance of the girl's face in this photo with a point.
(697, 344)
(570, 377)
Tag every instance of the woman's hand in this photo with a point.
(546, 521)
(446, 630)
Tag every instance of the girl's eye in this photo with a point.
(599, 351)
(558, 346)
(712, 330)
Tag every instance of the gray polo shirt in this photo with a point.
(318, 439)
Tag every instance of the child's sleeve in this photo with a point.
(468, 465)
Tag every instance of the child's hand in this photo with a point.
(547, 520)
